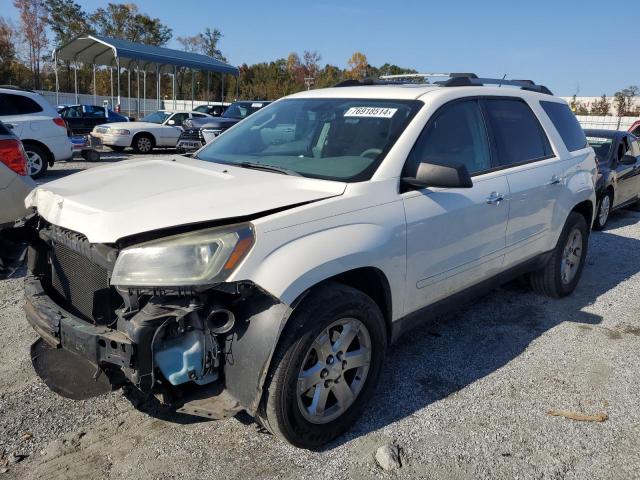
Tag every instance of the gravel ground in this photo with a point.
(467, 396)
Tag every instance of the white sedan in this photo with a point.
(158, 129)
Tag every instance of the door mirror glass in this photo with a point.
(171, 122)
(628, 160)
(444, 176)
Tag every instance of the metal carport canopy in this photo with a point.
(99, 50)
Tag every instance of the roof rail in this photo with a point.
(13, 87)
(478, 82)
(452, 80)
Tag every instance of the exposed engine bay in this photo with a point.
(177, 343)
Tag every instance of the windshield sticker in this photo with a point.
(371, 112)
(256, 105)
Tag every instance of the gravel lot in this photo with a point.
(467, 396)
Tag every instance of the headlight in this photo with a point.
(195, 258)
(119, 132)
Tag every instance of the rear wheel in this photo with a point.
(561, 274)
(143, 143)
(37, 160)
(326, 367)
(604, 209)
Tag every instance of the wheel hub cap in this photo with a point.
(334, 370)
(605, 206)
(571, 256)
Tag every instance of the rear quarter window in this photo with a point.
(567, 125)
(17, 105)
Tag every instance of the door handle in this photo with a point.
(495, 198)
(555, 180)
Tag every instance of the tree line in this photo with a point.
(623, 104)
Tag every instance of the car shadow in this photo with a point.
(452, 351)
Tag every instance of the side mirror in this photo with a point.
(171, 122)
(444, 176)
(628, 160)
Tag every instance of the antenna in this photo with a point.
(502, 80)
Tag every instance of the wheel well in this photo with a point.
(50, 158)
(373, 282)
(586, 210)
(146, 134)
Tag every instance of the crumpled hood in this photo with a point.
(135, 196)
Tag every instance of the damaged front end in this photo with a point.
(203, 348)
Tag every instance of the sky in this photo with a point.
(582, 47)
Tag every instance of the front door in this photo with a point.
(455, 236)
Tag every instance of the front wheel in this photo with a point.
(604, 209)
(143, 144)
(326, 367)
(561, 274)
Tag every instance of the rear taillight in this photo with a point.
(60, 122)
(12, 154)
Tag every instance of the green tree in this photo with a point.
(209, 44)
(7, 52)
(66, 20)
(125, 22)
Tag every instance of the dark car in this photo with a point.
(82, 118)
(618, 184)
(213, 110)
(198, 132)
(635, 128)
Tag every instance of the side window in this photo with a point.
(17, 105)
(73, 112)
(567, 125)
(179, 118)
(92, 111)
(198, 115)
(518, 135)
(455, 135)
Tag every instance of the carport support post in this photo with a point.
(174, 87)
(129, 90)
(94, 85)
(158, 86)
(75, 79)
(208, 86)
(192, 88)
(144, 91)
(111, 84)
(237, 87)
(118, 75)
(55, 71)
(138, 91)
(222, 89)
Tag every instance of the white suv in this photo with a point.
(37, 123)
(270, 272)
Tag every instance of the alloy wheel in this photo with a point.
(34, 163)
(144, 144)
(334, 370)
(571, 256)
(605, 208)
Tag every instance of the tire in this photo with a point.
(286, 412)
(556, 279)
(143, 143)
(90, 155)
(604, 209)
(117, 148)
(37, 160)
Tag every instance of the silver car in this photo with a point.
(14, 187)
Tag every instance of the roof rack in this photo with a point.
(13, 87)
(452, 80)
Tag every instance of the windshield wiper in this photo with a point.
(267, 168)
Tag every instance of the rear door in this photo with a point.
(455, 236)
(628, 175)
(534, 176)
(93, 116)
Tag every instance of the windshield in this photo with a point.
(336, 139)
(242, 110)
(602, 147)
(156, 117)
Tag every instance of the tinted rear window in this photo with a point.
(17, 105)
(567, 125)
(518, 135)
